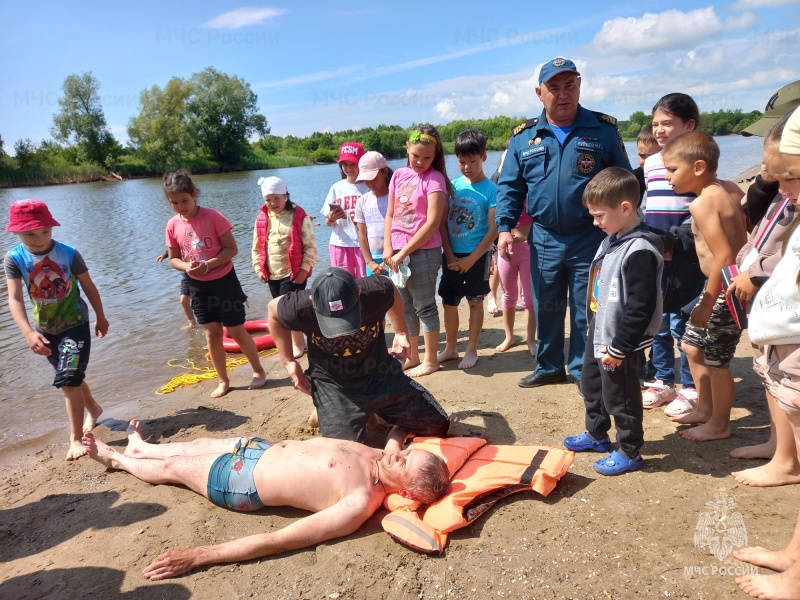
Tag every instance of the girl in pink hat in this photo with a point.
(339, 210)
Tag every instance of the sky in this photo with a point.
(329, 66)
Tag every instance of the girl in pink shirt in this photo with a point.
(200, 243)
(417, 195)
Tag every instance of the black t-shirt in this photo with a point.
(355, 356)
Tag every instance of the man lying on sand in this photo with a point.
(341, 482)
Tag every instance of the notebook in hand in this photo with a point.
(738, 309)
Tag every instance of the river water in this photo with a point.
(119, 229)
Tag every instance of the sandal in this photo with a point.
(617, 463)
(586, 443)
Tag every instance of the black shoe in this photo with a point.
(534, 380)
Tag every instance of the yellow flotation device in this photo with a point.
(481, 475)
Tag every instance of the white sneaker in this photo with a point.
(684, 403)
(658, 394)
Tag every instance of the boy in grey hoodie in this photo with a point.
(624, 306)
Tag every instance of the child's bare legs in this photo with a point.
(702, 379)
(475, 326)
(413, 359)
(248, 346)
(530, 317)
(451, 324)
(430, 362)
(786, 584)
(298, 344)
(784, 467)
(494, 285)
(766, 449)
(715, 387)
(186, 305)
(73, 395)
(508, 327)
(213, 333)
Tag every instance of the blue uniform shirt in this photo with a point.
(552, 176)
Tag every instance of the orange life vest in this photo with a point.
(489, 474)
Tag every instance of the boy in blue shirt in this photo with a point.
(468, 231)
(51, 272)
(624, 306)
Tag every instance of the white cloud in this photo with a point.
(669, 30)
(242, 17)
(748, 4)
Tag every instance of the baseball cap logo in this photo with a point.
(559, 62)
(335, 305)
(349, 150)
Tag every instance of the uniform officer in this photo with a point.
(550, 160)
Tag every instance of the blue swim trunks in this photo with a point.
(230, 480)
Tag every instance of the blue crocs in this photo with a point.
(617, 463)
(586, 443)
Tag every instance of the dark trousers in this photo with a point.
(612, 393)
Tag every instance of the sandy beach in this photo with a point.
(78, 530)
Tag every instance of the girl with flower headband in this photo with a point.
(417, 194)
(339, 210)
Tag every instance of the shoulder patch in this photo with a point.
(523, 126)
(604, 117)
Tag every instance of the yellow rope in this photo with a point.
(201, 373)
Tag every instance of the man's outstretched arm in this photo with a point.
(343, 518)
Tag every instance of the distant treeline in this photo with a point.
(207, 123)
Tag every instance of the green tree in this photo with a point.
(26, 151)
(160, 132)
(631, 128)
(81, 120)
(223, 114)
(2, 150)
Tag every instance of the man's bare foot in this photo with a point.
(765, 450)
(90, 422)
(706, 433)
(777, 560)
(76, 450)
(98, 449)
(223, 388)
(410, 364)
(313, 421)
(424, 369)
(781, 586)
(507, 344)
(447, 354)
(767, 475)
(692, 418)
(134, 433)
(469, 360)
(259, 380)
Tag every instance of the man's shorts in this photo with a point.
(230, 480)
(472, 285)
(219, 300)
(69, 354)
(279, 287)
(719, 340)
(780, 367)
(343, 406)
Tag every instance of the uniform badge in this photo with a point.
(586, 163)
(559, 62)
(537, 141)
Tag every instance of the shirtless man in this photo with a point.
(718, 225)
(341, 482)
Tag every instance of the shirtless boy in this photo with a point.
(718, 225)
(341, 482)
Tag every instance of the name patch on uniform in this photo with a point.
(583, 144)
(536, 150)
(586, 163)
